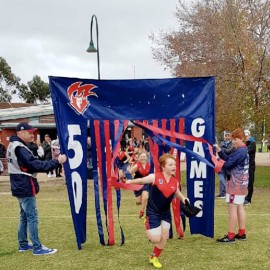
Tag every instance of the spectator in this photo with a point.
(89, 159)
(47, 152)
(1, 167)
(40, 150)
(34, 148)
(3, 150)
(22, 168)
(251, 146)
(224, 174)
(55, 154)
(146, 144)
(130, 147)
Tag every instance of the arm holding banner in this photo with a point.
(149, 179)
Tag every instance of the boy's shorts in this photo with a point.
(156, 222)
(235, 199)
(145, 187)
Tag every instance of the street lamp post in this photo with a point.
(91, 48)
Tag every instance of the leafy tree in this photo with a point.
(9, 83)
(35, 91)
(228, 39)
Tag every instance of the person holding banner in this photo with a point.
(236, 188)
(158, 216)
(223, 175)
(22, 168)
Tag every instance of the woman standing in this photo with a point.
(158, 216)
(236, 187)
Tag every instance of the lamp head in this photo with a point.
(91, 48)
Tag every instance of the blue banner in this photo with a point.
(78, 102)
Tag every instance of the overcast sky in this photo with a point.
(50, 37)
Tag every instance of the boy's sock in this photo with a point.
(231, 235)
(156, 252)
(241, 232)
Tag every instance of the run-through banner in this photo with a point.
(177, 114)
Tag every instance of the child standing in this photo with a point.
(236, 188)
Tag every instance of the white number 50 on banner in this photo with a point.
(74, 163)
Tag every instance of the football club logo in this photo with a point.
(78, 95)
(160, 181)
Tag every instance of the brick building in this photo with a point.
(38, 116)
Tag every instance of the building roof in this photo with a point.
(8, 105)
(25, 112)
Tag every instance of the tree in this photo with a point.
(35, 91)
(228, 39)
(9, 83)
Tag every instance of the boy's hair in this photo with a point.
(238, 133)
(163, 159)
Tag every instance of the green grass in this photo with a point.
(262, 177)
(194, 252)
(259, 146)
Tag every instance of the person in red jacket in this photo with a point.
(158, 216)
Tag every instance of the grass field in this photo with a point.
(194, 252)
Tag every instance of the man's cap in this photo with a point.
(227, 132)
(247, 132)
(25, 126)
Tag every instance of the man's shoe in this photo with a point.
(220, 196)
(44, 251)
(155, 262)
(23, 249)
(246, 203)
(242, 237)
(226, 240)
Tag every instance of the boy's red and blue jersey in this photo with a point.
(238, 164)
(142, 171)
(161, 194)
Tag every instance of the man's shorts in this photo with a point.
(156, 222)
(235, 199)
